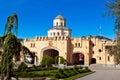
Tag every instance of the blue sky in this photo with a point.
(35, 16)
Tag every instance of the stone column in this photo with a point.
(86, 59)
(35, 61)
(87, 52)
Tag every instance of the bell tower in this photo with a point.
(59, 21)
(59, 28)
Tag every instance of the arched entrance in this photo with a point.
(78, 58)
(51, 52)
(93, 61)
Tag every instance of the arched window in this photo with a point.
(61, 24)
(58, 33)
(32, 45)
(78, 44)
(108, 58)
(75, 44)
(100, 50)
(54, 34)
(99, 58)
(56, 23)
(51, 34)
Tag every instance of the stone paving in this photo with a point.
(103, 73)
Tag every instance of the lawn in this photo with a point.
(66, 73)
(78, 75)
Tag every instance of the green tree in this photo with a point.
(47, 61)
(11, 24)
(22, 67)
(11, 46)
(115, 51)
(62, 60)
(113, 7)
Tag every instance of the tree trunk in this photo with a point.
(2, 76)
(8, 76)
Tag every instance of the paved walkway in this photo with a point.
(103, 74)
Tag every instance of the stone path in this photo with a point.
(103, 74)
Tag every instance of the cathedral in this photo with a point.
(80, 50)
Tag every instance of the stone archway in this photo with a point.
(78, 58)
(93, 61)
(51, 52)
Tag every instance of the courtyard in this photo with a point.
(103, 73)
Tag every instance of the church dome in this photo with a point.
(59, 28)
(59, 21)
(59, 17)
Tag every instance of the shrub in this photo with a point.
(60, 75)
(47, 61)
(31, 69)
(66, 69)
(61, 70)
(76, 67)
(72, 73)
(34, 66)
(70, 68)
(62, 60)
(22, 67)
(52, 68)
(57, 75)
(57, 58)
(45, 74)
(39, 68)
(67, 74)
(80, 67)
(75, 71)
(86, 69)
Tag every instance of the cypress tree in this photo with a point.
(11, 46)
(113, 7)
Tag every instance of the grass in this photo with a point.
(33, 74)
(65, 74)
(78, 76)
(69, 78)
(53, 72)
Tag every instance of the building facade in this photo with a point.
(81, 50)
